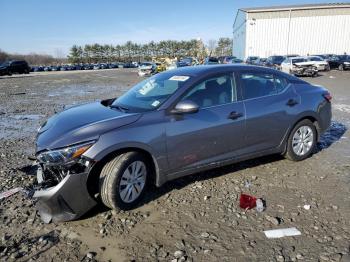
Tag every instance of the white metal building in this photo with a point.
(297, 29)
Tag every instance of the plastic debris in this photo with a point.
(247, 184)
(307, 207)
(249, 202)
(260, 205)
(283, 232)
(10, 192)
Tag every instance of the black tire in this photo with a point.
(9, 73)
(111, 176)
(290, 154)
(341, 67)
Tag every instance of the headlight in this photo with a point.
(346, 63)
(64, 155)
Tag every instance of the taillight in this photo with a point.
(327, 96)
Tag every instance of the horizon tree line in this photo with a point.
(130, 51)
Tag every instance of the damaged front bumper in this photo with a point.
(68, 200)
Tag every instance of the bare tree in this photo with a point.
(211, 46)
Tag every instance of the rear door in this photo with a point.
(270, 102)
(212, 134)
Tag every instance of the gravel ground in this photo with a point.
(195, 218)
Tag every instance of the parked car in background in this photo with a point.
(319, 62)
(188, 61)
(147, 68)
(211, 60)
(275, 61)
(326, 57)
(176, 65)
(13, 67)
(55, 68)
(261, 61)
(234, 61)
(299, 66)
(251, 59)
(37, 69)
(341, 62)
(170, 125)
(225, 59)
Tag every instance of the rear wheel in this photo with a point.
(123, 180)
(302, 141)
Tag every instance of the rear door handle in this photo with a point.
(234, 115)
(292, 102)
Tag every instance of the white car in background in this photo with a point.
(299, 66)
(319, 62)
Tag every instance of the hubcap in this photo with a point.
(132, 181)
(303, 139)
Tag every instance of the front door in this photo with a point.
(214, 132)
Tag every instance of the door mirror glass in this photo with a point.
(185, 107)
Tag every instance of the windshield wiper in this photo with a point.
(120, 108)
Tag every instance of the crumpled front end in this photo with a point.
(62, 193)
(304, 70)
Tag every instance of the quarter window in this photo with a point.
(260, 84)
(214, 91)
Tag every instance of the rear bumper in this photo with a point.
(66, 201)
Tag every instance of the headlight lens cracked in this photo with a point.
(64, 155)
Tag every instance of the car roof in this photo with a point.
(204, 69)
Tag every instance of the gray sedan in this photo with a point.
(173, 124)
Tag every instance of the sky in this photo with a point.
(52, 27)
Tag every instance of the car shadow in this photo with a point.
(332, 135)
(154, 193)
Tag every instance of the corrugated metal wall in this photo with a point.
(307, 32)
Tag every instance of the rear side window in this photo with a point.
(260, 84)
(213, 91)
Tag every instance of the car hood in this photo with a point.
(304, 63)
(79, 124)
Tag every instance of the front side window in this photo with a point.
(260, 84)
(214, 91)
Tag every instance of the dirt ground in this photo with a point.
(195, 218)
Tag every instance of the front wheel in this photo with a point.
(123, 180)
(301, 141)
(341, 67)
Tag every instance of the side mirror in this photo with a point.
(185, 107)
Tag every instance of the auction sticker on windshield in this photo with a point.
(179, 78)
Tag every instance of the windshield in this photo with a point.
(277, 59)
(5, 63)
(316, 59)
(299, 60)
(151, 93)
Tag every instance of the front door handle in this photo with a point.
(292, 102)
(234, 115)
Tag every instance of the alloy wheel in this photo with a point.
(303, 140)
(132, 181)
